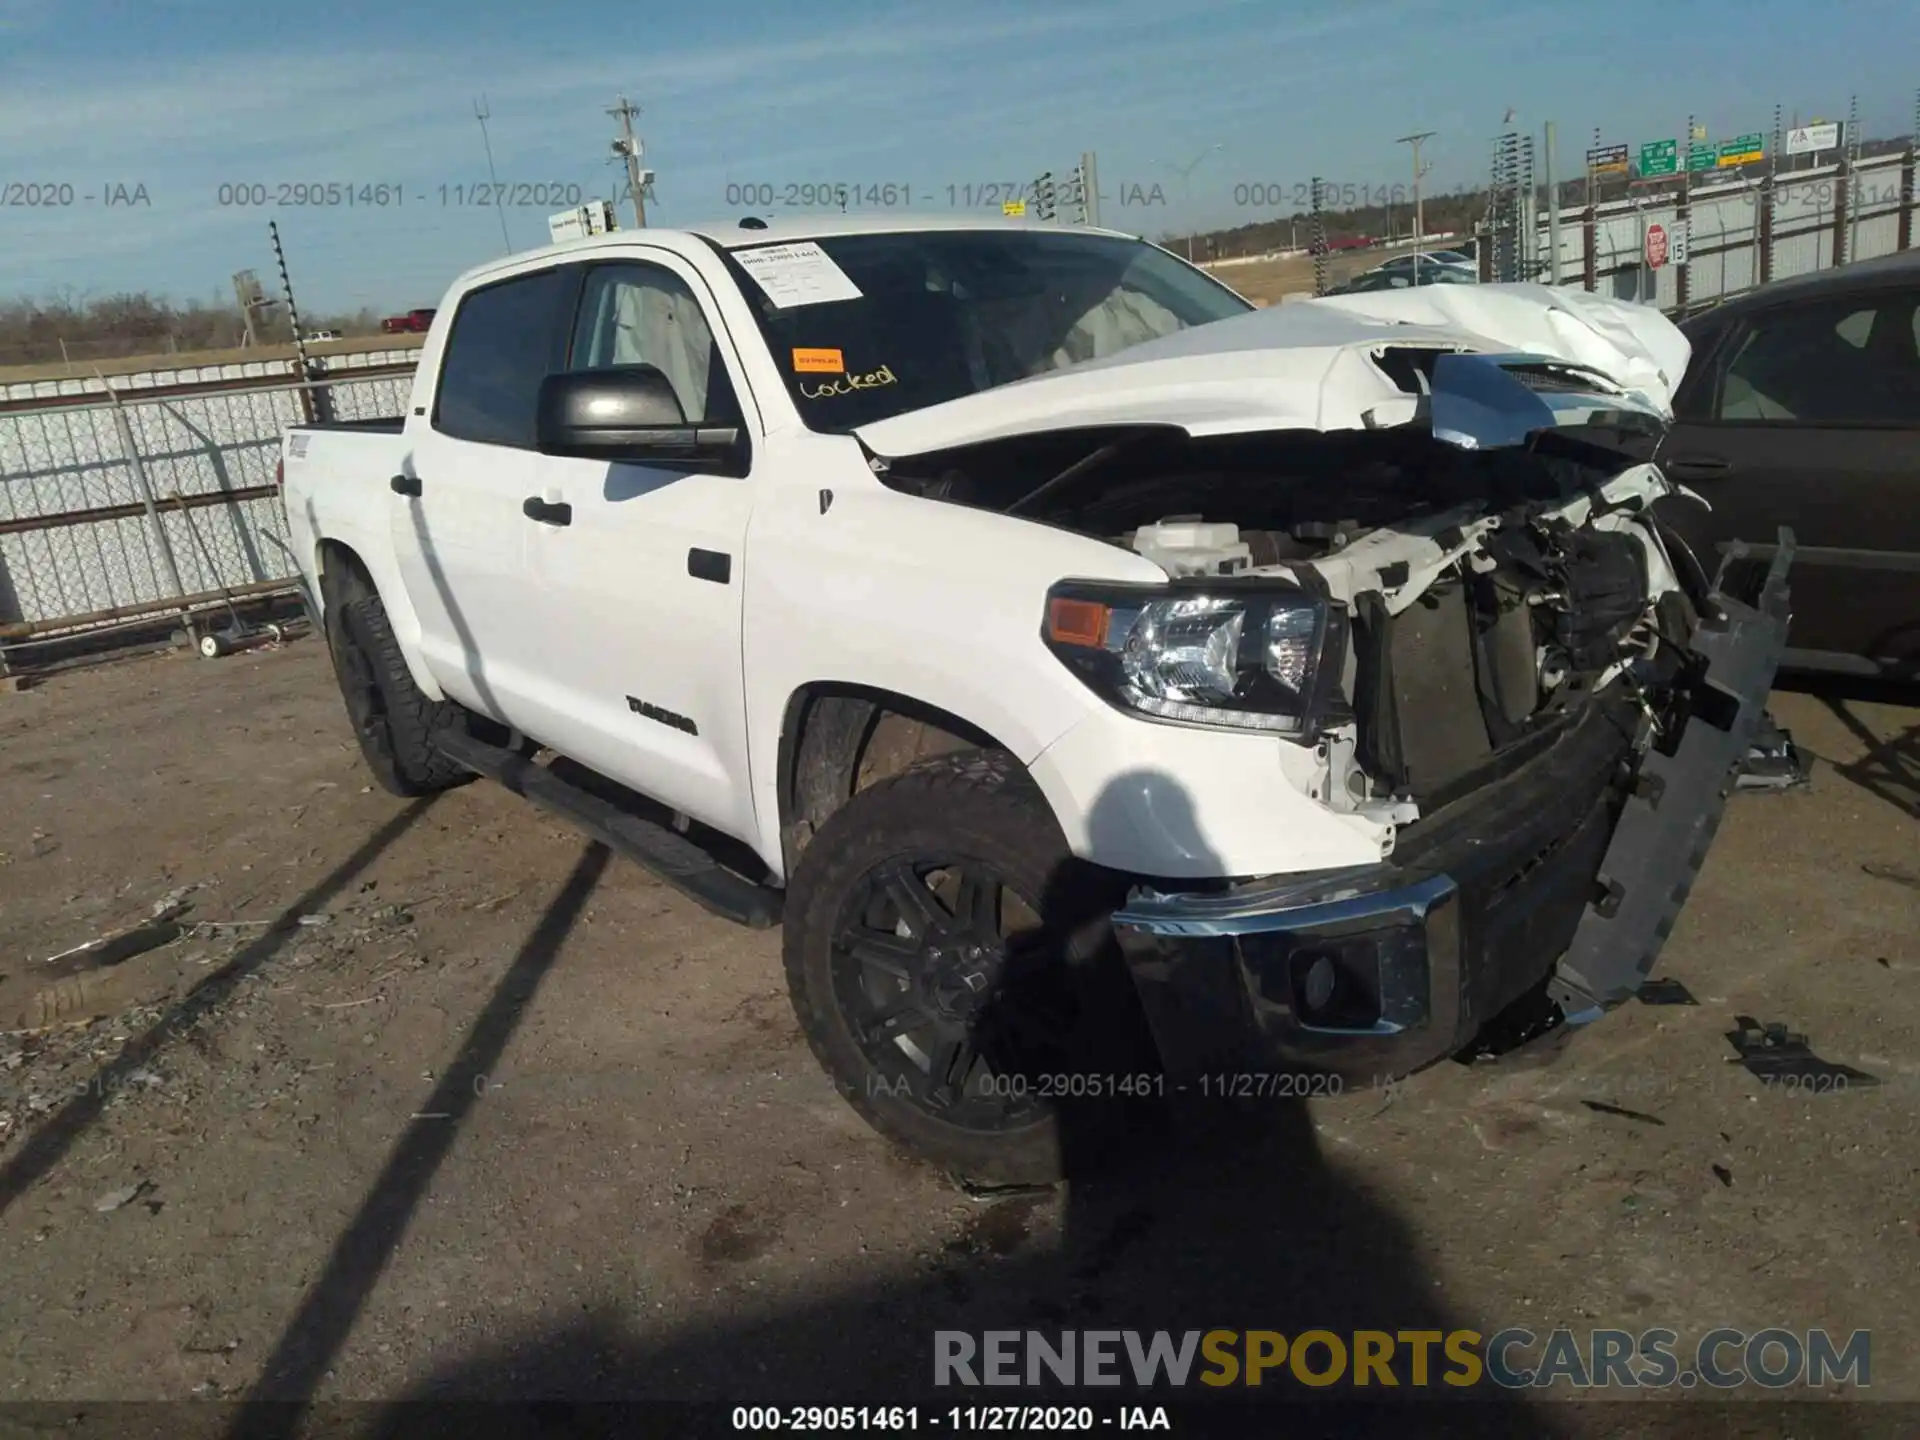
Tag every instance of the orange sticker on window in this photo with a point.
(818, 362)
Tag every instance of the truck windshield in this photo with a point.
(915, 318)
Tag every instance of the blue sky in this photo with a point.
(182, 98)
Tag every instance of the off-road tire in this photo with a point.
(396, 723)
(980, 806)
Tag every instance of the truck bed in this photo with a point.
(379, 425)
(336, 484)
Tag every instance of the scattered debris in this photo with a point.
(1723, 1175)
(1773, 761)
(1775, 1055)
(119, 946)
(171, 904)
(310, 921)
(980, 1190)
(1894, 873)
(209, 927)
(1666, 991)
(1601, 1107)
(114, 1199)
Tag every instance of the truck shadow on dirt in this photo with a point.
(50, 1143)
(314, 1335)
(1889, 769)
(1204, 1216)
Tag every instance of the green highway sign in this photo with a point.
(1659, 157)
(1702, 156)
(1743, 150)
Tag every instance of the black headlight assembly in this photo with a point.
(1233, 655)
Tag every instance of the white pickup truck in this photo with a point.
(1116, 689)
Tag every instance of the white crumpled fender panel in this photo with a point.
(1634, 345)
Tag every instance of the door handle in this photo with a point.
(404, 484)
(547, 512)
(1698, 467)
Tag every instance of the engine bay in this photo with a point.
(1537, 592)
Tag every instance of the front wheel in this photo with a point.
(954, 969)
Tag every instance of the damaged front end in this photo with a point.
(1562, 709)
(1472, 620)
(1541, 895)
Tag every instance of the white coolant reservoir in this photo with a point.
(1194, 547)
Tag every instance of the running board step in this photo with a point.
(672, 857)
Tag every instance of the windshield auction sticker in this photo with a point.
(797, 274)
(818, 361)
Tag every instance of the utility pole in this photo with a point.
(627, 145)
(482, 114)
(1419, 214)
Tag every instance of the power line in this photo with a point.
(482, 114)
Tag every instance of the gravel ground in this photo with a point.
(435, 1099)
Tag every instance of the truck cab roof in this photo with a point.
(733, 235)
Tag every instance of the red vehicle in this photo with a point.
(413, 322)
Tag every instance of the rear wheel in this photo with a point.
(395, 721)
(954, 970)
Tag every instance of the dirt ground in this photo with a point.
(436, 1099)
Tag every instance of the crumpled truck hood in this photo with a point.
(1310, 365)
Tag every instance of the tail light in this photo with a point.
(280, 473)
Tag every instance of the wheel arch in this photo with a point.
(837, 739)
(334, 561)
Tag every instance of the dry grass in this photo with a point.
(1271, 280)
(258, 355)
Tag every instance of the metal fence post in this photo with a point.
(1683, 227)
(1319, 233)
(1842, 205)
(131, 450)
(1763, 230)
(1907, 178)
(1553, 208)
(1853, 165)
(1903, 238)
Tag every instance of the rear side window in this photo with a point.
(498, 352)
(1845, 362)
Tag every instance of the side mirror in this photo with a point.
(628, 414)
